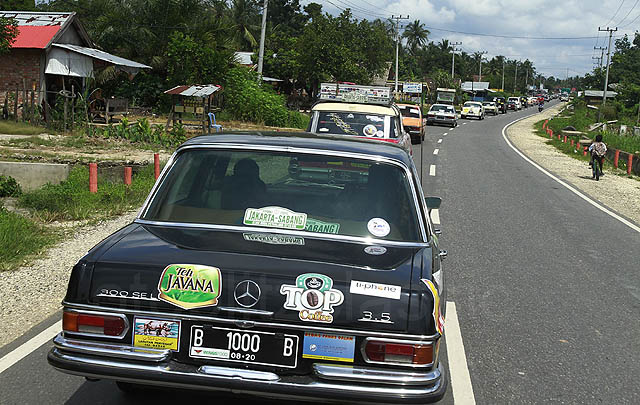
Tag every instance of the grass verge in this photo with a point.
(20, 128)
(21, 237)
(71, 199)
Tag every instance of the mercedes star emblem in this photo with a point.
(247, 293)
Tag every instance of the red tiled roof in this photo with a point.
(35, 36)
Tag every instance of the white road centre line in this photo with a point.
(29, 346)
(445, 134)
(435, 216)
(458, 369)
(568, 186)
(435, 151)
(464, 123)
(440, 140)
(432, 170)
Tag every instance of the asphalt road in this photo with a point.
(546, 286)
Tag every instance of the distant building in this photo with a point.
(51, 52)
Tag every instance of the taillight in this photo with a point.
(404, 353)
(95, 324)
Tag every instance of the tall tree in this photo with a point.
(8, 33)
(416, 35)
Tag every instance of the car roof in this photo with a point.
(355, 107)
(305, 140)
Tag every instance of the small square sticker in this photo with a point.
(323, 346)
(156, 334)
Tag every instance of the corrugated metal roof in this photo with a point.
(102, 55)
(475, 86)
(599, 93)
(244, 58)
(33, 19)
(194, 91)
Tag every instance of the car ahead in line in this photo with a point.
(532, 101)
(501, 103)
(490, 107)
(361, 111)
(564, 97)
(293, 266)
(516, 101)
(412, 121)
(442, 114)
(472, 109)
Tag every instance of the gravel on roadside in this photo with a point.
(620, 194)
(32, 293)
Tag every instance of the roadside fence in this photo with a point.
(93, 173)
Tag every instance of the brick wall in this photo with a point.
(16, 65)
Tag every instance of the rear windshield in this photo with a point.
(410, 112)
(443, 108)
(357, 124)
(471, 104)
(316, 193)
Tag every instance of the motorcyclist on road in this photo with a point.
(598, 151)
(541, 106)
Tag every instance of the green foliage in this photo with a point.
(20, 128)
(71, 199)
(20, 237)
(9, 187)
(8, 33)
(143, 132)
(189, 62)
(247, 100)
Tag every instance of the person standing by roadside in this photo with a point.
(598, 151)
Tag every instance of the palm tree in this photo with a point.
(416, 36)
(244, 18)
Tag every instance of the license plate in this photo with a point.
(243, 346)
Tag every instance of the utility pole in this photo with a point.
(453, 57)
(397, 18)
(515, 78)
(599, 60)
(606, 80)
(480, 73)
(526, 81)
(263, 31)
(502, 88)
(601, 49)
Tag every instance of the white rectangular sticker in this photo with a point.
(275, 217)
(375, 289)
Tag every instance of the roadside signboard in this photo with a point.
(410, 87)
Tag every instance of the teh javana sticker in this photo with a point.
(275, 217)
(190, 286)
(438, 319)
(313, 297)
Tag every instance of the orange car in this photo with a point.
(412, 121)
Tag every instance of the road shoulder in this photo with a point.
(620, 194)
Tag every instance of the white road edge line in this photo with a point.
(568, 186)
(435, 216)
(458, 369)
(432, 170)
(445, 134)
(435, 151)
(29, 346)
(440, 140)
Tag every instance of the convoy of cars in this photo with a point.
(513, 103)
(286, 265)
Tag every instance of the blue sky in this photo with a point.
(511, 18)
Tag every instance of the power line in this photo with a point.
(507, 36)
(632, 8)
(615, 14)
(632, 21)
(359, 9)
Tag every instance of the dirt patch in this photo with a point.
(619, 193)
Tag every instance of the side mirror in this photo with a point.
(433, 202)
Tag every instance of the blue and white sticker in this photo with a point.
(378, 227)
(323, 346)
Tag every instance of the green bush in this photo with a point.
(72, 199)
(143, 132)
(9, 187)
(247, 100)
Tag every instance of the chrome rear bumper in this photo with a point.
(329, 382)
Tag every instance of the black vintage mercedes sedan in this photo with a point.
(294, 266)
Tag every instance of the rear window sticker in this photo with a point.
(378, 227)
(324, 346)
(323, 130)
(275, 217)
(375, 250)
(273, 239)
(350, 116)
(380, 134)
(414, 111)
(313, 225)
(369, 130)
(374, 118)
(163, 334)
